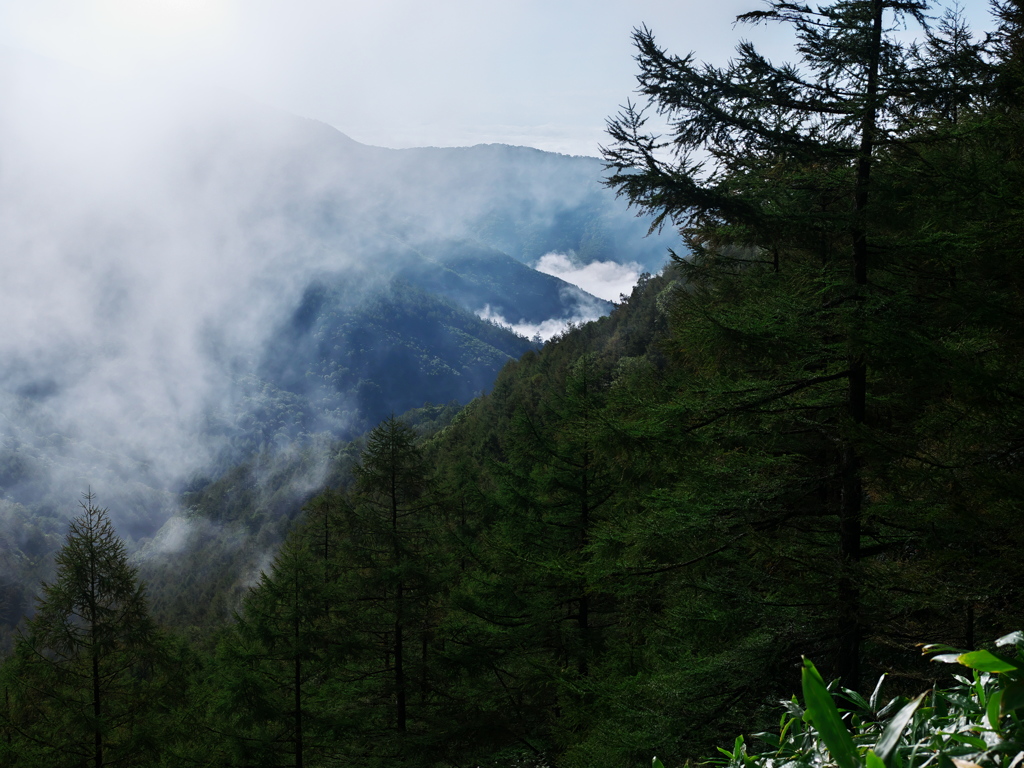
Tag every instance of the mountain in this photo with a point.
(190, 277)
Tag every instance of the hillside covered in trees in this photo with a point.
(804, 438)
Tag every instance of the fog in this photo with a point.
(394, 72)
(587, 308)
(607, 280)
(145, 258)
(157, 230)
(155, 236)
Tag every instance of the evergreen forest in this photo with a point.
(794, 456)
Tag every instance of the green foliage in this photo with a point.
(803, 438)
(834, 361)
(968, 724)
(272, 692)
(87, 676)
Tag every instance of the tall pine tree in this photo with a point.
(82, 684)
(791, 335)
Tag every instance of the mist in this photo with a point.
(607, 280)
(156, 237)
(586, 307)
(147, 250)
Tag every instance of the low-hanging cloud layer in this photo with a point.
(587, 308)
(607, 280)
(133, 270)
(153, 238)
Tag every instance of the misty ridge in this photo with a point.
(190, 278)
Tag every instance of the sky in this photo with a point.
(400, 73)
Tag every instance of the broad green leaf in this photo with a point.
(979, 687)
(1013, 697)
(992, 711)
(1004, 747)
(891, 735)
(656, 763)
(1014, 638)
(873, 761)
(876, 695)
(966, 703)
(769, 738)
(986, 661)
(793, 708)
(856, 699)
(825, 717)
(973, 741)
(897, 701)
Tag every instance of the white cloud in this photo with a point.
(545, 330)
(605, 279)
(147, 255)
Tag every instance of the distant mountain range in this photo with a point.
(189, 277)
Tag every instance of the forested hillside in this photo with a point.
(191, 280)
(163, 243)
(802, 438)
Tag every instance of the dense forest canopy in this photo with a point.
(803, 437)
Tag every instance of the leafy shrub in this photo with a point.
(977, 723)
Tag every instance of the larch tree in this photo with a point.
(82, 680)
(796, 307)
(275, 700)
(386, 576)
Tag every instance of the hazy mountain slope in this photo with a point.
(232, 525)
(476, 276)
(526, 203)
(355, 360)
(155, 238)
(160, 246)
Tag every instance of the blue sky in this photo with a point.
(543, 73)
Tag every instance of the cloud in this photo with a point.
(155, 237)
(604, 279)
(150, 242)
(587, 308)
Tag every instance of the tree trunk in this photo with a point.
(851, 498)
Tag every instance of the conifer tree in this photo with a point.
(386, 577)
(391, 483)
(792, 330)
(81, 682)
(275, 696)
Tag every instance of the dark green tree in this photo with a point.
(274, 700)
(792, 333)
(386, 572)
(391, 483)
(82, 685)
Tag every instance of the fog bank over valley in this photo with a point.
(190, 278)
